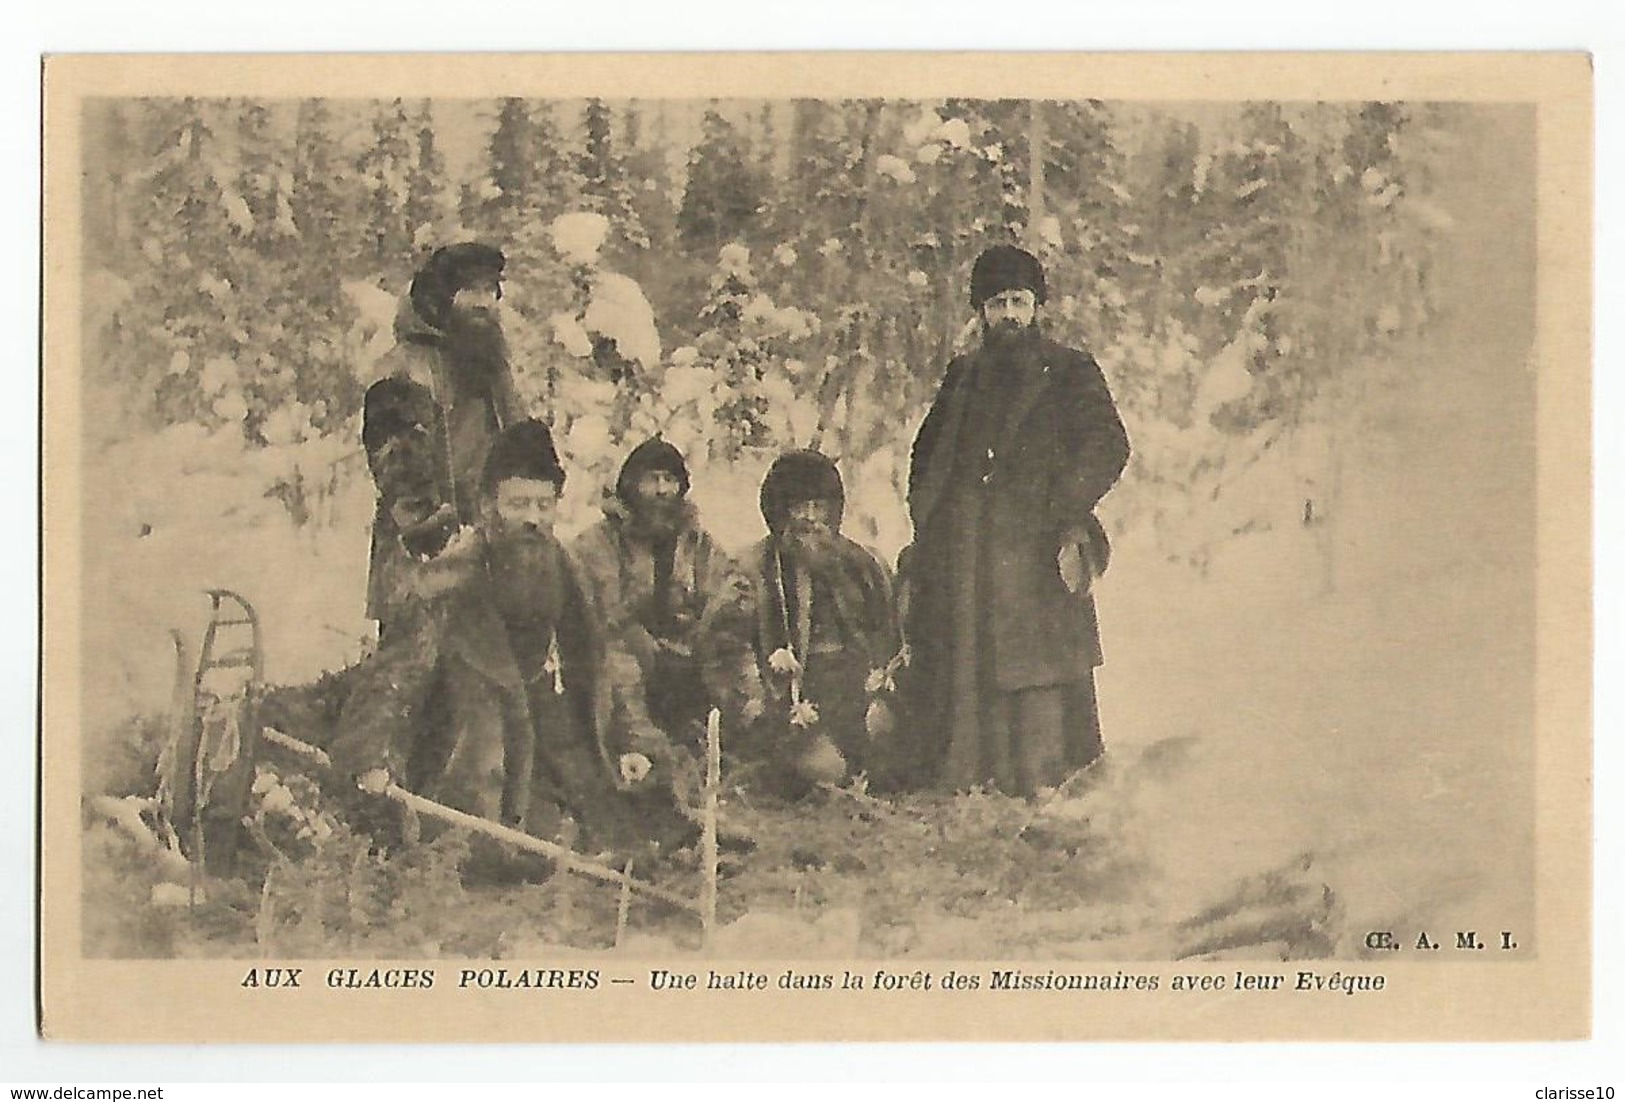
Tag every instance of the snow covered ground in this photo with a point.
(1381, 729)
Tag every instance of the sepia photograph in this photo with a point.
(753, 533)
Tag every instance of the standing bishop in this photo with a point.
(1020, 444)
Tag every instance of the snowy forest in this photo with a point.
(749, 276)
(1259, 282)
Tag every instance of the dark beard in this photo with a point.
(525, 572)
(1004, 338)
(653, 520)
(476, 352)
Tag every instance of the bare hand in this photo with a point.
(1069, 561)
(463, 543)
(447, 570)
(635, 767)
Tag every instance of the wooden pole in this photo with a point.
(623, 908)
(708, 839)
(566, 858)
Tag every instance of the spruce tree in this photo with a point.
(723, 199)
(426, 205)
(1088, 218)
(323, 381)
(179, 222)
(648, 177)
(605, 186)
(385, 167)
(647, 172)
(512, 166)
(318, 200)
(1164, 207)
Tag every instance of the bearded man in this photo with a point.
(826, 632)
(670, 595)
(1019, 446)
(509, 659)
(447, 379)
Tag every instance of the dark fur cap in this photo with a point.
(1005, 268)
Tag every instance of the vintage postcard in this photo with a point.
(816, 547)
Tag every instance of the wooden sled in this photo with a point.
(206, 771)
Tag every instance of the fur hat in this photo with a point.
(798, 476)
(391, 408)
(524, 450)
(1005, 268)
(652, 455)
(448, 270)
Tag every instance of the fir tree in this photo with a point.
(647, 172)
(318, 200)
(557, 176)
(1164, 207)
(470, 209)
(179, 220)
(426, 206)
(322, 380)
(991, 165)
(599, 165)
(818, 198)
(1086, 214)
(764, 142)
(264, 302)
(532, 179)
(257, 159)
(512, 165)
(604, 184)
(110, 127)
(385, 167)
(724, 196)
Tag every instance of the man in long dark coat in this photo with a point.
(1022, 441)
(448, 376)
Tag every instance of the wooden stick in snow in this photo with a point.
(624, 907)
(708, 839)
(565, 857)
(304, 749)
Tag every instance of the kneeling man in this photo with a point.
(826, 631)
(497, 701)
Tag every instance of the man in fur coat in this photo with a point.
(671, 597)
(1021, 442)
(826, 631)
(447, 377)
(494, 693)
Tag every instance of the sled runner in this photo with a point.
(208, 765)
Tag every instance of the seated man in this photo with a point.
(670, 595)
(825, 631)
(494, 697)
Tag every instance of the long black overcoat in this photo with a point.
(1061, 447)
